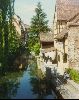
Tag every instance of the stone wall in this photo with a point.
(73, 46)
(58, 27)
(62, 48)
(17, 25)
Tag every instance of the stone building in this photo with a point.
(47, 55)
(63, 45)
(16, 23)
(21, 28)
(47, 50)
(22, 33)
(66, 34)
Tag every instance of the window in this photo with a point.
(59, 58)
(60, 23)
(65, 58)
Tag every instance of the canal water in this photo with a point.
(27, 84)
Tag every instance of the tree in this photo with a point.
(6, 12)
(39, 22)
(9, 41)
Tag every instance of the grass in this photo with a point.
(74, 74)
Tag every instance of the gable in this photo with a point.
(75, 19)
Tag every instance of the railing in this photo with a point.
(59, 84)
(62, 89)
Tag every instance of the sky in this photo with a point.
(25, 9)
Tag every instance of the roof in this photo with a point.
(72, 24)
(46, 37)
(66, 9)
(62, 34)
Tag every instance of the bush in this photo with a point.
(68, 70)
(74, 74)
(36, 48)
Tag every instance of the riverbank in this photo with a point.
(69, 90)
(26, 84)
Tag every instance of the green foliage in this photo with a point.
(68, 70)
(33, 44)
(36, 48)
(39, 22)
(74, 74)
(14, 40)
(9, 41)
(6, 13)
(9, 84)
(35, 72)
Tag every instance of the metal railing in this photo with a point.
(62, 89)
(59, 84)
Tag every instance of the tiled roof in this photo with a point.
(72, 24)
(46, 37)
(66, 9)
(68, 2)
(62, 34)
(65, 30)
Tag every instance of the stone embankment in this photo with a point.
(68, 90)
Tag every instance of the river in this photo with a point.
(24, 84)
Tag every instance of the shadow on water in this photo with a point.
(29, 83)
(40, 85)
(10, 80)
(9, 84)
(41, 88)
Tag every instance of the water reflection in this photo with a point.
(9, 84)
(28, 84)
(40, 86)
